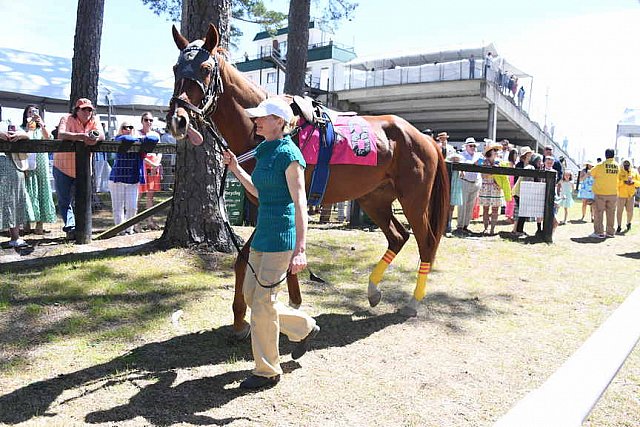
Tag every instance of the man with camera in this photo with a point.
(81, 125)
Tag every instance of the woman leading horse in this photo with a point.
(410, 168)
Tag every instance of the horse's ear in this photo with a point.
(212, 39)
(181, 42)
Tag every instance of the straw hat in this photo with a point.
(524, 150)
(490, 145)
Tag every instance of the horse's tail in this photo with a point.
(439, 203)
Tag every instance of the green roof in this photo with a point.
(329, 51)
(267, 35)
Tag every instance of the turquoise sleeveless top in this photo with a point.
(276, 229)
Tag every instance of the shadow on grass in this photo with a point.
(52, 260)
(159, 361)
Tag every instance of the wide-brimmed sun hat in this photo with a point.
(470, 141)
(271, 106)
(453, 156)
(446, 135)
(524, 150)
(589, 163)
(491, 146)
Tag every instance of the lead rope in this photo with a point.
(222, 145)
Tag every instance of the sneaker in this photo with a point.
(597, 236)
(302, 347)
(618, 230)
(610, 236)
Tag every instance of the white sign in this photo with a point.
(531, 199)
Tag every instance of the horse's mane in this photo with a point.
(225, 65)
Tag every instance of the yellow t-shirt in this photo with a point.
(605, 178)
(627, 190)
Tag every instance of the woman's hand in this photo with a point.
(298, 261)
(229, 159)
(16, 135)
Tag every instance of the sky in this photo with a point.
(582, 54)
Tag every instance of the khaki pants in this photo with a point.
(470, 192)
(624, 203)
(268, 316)
(604, 205)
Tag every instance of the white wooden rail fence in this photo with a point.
(569, 395)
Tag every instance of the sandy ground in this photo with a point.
(490, 330)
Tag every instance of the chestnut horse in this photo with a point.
(410, 165)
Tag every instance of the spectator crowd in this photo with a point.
(30, 199)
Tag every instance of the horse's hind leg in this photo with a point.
(425, 206)
(378, 205)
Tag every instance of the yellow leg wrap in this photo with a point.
(378, 271)
(421, 285)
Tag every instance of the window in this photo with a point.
(271, 77)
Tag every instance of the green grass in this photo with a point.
(531, 304)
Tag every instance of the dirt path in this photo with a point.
(499, 318)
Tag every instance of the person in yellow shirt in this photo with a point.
(628, 181)
(605, 189)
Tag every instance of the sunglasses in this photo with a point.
(87, 109)
(148, 120)
(127, 127)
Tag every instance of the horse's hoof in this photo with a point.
(294, 305)
(411, 309)
(242, 334)
(374, 294)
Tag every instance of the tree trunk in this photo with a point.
(195, 216)
(85, 71)
(85, 65)
(197, 14)
(298, 41)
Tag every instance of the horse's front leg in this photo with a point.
(295, 297)
(241, 328)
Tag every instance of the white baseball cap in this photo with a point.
(276, 106)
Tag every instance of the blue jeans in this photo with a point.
(65, 189)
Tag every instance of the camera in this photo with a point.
(94, 133)
(35, 112)
(11, 128)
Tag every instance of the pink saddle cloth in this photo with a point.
(355, 144)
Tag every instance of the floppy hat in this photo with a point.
(454, 155)
(446, 135)
(271, 106)
(524, 150)
(83, 102)
(490, 145)
(470, 141)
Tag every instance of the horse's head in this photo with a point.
(197, 82)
